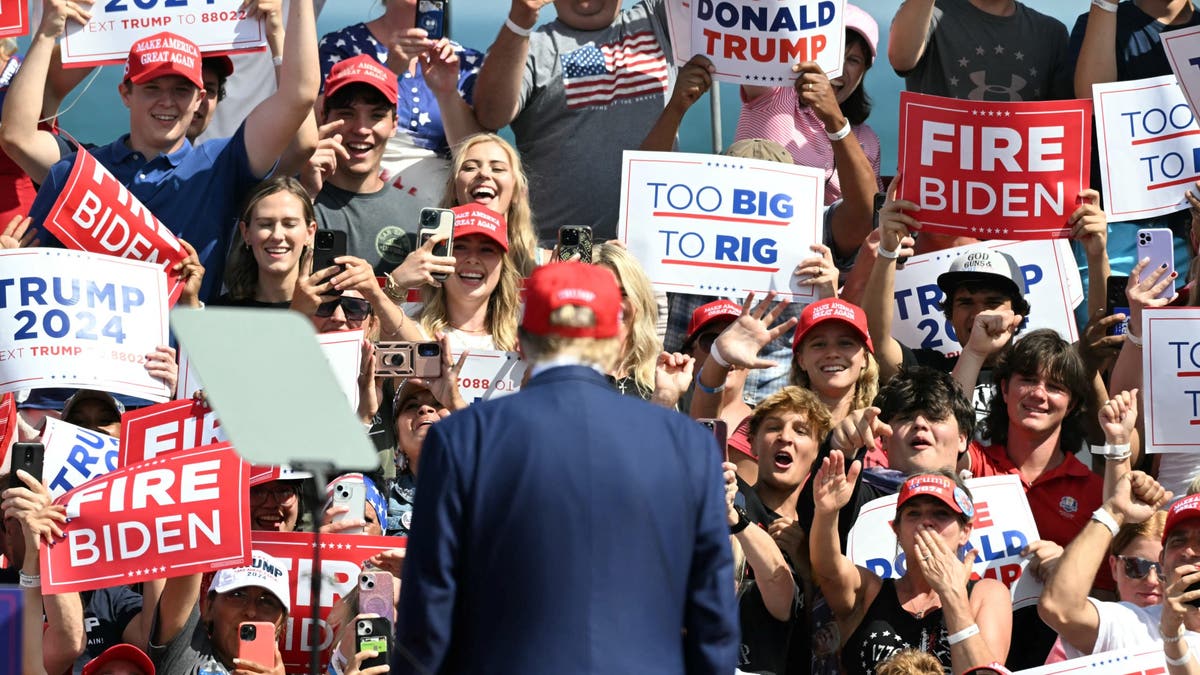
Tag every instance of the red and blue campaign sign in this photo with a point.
(994, 170)
(14, 18)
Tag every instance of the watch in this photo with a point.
(743, 521)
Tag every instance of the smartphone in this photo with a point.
(575, 240)
(1117, 303)
(376, 635)
(432, 15)
(1193, 603)
(1157, 245)
(256, 642)
(720, 431)
(354, 496)
(437, 222)
(328, 245)
(28, 458)
(408, 359)
(376, 594)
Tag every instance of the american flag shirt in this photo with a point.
(630, 67)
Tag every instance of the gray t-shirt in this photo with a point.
(587, 96)
(379, 225)
(982, 57)
(186, 652)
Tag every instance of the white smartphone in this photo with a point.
(354, 496)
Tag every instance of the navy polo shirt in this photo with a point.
(195, 191)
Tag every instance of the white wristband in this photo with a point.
(277, 60)
(839, 134)
(523, 32)
(30, 580)
(1112, 452)
(1133, 339)
(715, 355)
(890, 255)
(963, 634)
(1105, 5)
(1105, 518)
(1181, 661)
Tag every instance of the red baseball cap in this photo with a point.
(164, 54)
(572, 283)
(833, 309)
(477, 219)
(365, 70)
(939, 487)
(1183, 509)
(121, 652)
(718, 310)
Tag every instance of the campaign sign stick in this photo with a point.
(1171, 363)
(216, 26)
(12, 601)
(8, 429)
(1003, 526)
(1144, 659)
(176, 425)
(489, 374)
(342, 556)
(715, 225)
(96, 213)
(74, 456)
(76, 319)
(756, 42)
(14, 22)
(1149, 147)
(1051, 277)
(183, 513)
(994, 170)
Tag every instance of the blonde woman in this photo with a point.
(640, 345)
(832, 356)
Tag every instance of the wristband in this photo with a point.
(1171, 638)
(277, 60)
(1112, 452)
(742, 523)
(1102, 516)
(884, 253)
(1133, 339)
(969, 631)
(338, 661)
(30, 580)
(524, 32)
(1105, 5)
(1181, 661)
(715, 355)
(708, 390)
(839, 134)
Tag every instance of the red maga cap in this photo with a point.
(477, 219)
(362, 69)
(832, 309)
(1183, 509)
(121, 652)
(718, 310)
(941, 488)
(164, 54)
(572, 283)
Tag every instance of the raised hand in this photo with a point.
(1118, 417)
(859, 429)
(741, 341)
(819, 271)
(833, 486)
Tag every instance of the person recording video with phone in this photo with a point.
(416, 406)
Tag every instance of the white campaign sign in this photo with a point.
(1149, 145)
(74, 456)
(216, 26)
(76, 319)
(1183, 51)
(489, 374)
(720, 226)
(1003, 526)
(1145, 659)
(1051, 276)
(1171, 367)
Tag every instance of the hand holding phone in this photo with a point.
(1116, 303)
(376, 594)
(1158, 245)
(575, 240)
(720, 431)
(352, 495)
(26, 457)
(328, 245)
(256, 642)
(376, 635)
(438, 223)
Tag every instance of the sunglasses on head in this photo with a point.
(1138, 568)
(356, 309)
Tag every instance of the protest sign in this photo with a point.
(1149, 147)
(489, 374)
(342, 556)
(756, 42)
(1171, 364)
(994, 170)
(96, 213)
(8, 429)
(175, 425)
(1003, 525)
(74, 456)
(11, 614)
(14, 21)
(715, 225)
(1144, 659)
(183, 513)
(216, 26)
(1051, 277)
(76, 319)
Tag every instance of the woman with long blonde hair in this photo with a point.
(640, 345)
(832, 356)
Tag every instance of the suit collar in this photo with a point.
(562, 373)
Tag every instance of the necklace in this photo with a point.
(468, 331)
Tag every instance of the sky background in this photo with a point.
(98, 115)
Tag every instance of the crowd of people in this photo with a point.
(583, 528)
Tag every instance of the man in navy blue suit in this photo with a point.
(567, 528)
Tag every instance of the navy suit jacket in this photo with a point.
(568, 529)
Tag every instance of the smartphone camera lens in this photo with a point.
(394, 360)
(324, 239)
(429, 349)
(364, 628)
(570, 237)
(249, 633)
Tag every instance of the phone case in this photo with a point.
(330, 244)
(720, 431)
(256, 642)
(1117, 303)
(1157, 245)
(376, 594)
(374, 634)
(431, 16)
(583, 247)
(28, 458)
(354, 496)
(437, 221)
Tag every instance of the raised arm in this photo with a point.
(1089, 226)
(771, 571)
(440, 65)
(895, 223)
(1097, 62)
(179, 595)
(909, 34)
(498, 88)
(842, 582)
(693, 81)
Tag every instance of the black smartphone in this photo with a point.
(1117, 303)
(28, 458)
(437, 222)
(1193, 587)
(327, 246)
(720, 431)
(434, 17)
(374, 634)
(575, 240)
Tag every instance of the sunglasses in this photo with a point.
(355, 309)
(1138, 568)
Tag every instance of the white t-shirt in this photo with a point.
(1124, 624)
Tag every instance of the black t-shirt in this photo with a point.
(106, 613)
